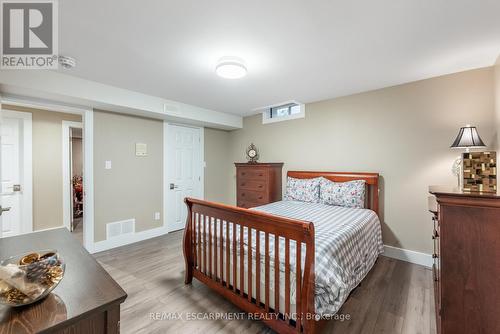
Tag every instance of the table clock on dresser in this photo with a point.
(466, 269)
(257, 183)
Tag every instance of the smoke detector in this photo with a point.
(67, 62)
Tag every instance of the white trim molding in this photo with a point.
(165, 176)
(203, 163)
(66, 170)
(419, 258)
(88, 179)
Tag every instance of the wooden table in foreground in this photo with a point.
(87, 300)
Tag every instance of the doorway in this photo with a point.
(72, 159)
(43, 154)
(16, 173)
(184, 171)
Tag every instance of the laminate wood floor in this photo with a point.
(78, 231)
(395, 297)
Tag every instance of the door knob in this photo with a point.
(3, 209)
(173, 186)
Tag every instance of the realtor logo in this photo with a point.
(29, 34)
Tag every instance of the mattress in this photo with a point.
(348, 242)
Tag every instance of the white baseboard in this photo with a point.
(129, 238)
(422, 259)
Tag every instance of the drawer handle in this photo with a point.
(260, 186)
(243, 173)
(243, 194)
(434, 256)
(261, 174)
(260, 197)
(243, 184)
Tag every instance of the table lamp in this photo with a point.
(467, 138)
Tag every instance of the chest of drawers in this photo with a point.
(466, 267)
(258, 184)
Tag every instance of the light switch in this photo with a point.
(107, 164)
(141, 150)
(157, 216)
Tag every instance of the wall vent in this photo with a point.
(119, 228)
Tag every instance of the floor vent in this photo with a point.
(119, 228)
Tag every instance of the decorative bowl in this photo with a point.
(29, 277)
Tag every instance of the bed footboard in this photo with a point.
(237, 253)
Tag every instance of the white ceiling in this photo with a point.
(294, 49)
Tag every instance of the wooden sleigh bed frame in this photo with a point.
(210, 262)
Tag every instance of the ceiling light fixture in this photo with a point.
(231, 68)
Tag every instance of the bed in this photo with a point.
(290, 288)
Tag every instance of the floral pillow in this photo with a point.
(305, 190)
(347, 194)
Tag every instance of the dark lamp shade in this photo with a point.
(467, 138)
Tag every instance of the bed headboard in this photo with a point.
(371, 180)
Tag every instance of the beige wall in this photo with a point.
(218, 165)
(77, 156)
(133, 187)
(47, 166)
(402, 132)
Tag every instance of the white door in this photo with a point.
(2, 207)
(11, 220)
(14, 172)
(184, 164)
(67, 176)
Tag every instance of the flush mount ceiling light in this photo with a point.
(231, 68)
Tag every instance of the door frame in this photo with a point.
(66, 170)
(166, 124)
(87, 114)
(26, 151)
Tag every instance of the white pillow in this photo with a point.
(349, 194)
(305, 190)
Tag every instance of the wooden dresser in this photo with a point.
(258, 184)
(466, 261)
(86, 301)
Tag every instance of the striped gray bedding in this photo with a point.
(348, 242)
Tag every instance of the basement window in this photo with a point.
(283, 112)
